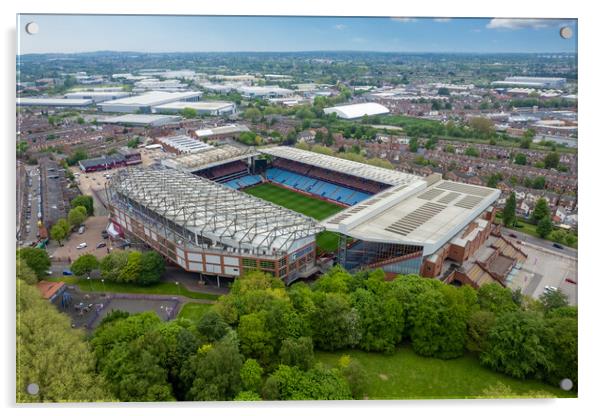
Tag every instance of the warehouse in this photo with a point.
(141, 120)
(214, 108)
(357, 110)
(98, 96)
(223, 132)
(263, 92)
(144, 102)
(53, 102)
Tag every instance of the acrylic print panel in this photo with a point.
(295, 208)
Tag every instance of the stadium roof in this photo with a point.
(349, 167)
(212, 157)
(53, 102)
(185, 144)
(357, 110)
(153, 98)
(234, 128)
(211, 210)
(417, 214)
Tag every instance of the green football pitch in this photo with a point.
(312, 207)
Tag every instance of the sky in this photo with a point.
(87, 33)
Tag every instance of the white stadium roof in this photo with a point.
(349, 167)
(185, 144)
(415, 214)
(212, 157)
(357, 110)
(211, 210)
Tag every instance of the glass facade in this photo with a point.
(394, 258)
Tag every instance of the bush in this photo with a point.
(84, 264)
(36, 259)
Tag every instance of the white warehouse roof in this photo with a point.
(202, 106)
(141, 119)
(53, 102)
(357, 110)
(153, 98)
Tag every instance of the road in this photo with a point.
(32, 222)
(539, 242)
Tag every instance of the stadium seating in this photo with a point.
(243, 182)
(318, 187)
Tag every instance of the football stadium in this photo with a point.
(293, 213)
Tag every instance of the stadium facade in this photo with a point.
(192, 211)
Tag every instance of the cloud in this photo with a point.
(514, 24)
(403, 19)
(442, 19)
(340, 27)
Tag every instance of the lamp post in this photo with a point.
(90, 283)
(178, 286)
(104, 289)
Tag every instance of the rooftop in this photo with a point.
(140, 119)
(349, 167)
(153, 98)
(233, 128)
(185, 144)
(415, 213)
(213, 211)
(197, 105)
(55, 101)
(357, 110)
(209, 158)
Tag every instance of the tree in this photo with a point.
(319, 383)
(250, 375)
(539, 182)
(494, 298)
(22, 147)
(112, 264)
(247, 396)
(252, 113)
(509, 212)
(84, 264)
(553, 299)
(479, 325)
(540, 211)
(130, 273)
(212, 326)
(25, 273)
(152, 267)
(188, 112)
(551, 160)
(471, 151)
(256, 340)
(60, 230)
(356, 376)
(562, 344)
(544, 227)
(84, 201)
(213, 373)
(484, 127)
(334, 323)
(520, 159)
(36, 259)
(297, 353)
(515, 346)
(44, 335)
(77, 216)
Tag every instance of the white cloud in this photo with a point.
(404, 19)
(442, 19)
(514, 24)
(340, 27)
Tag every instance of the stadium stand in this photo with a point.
(227, 172)
(243, 182)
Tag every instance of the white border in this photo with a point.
(589, 151)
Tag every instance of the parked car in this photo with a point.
(558, 246)
(49, 272)
(568, 280)
(81, 229)
(67, 272)
(550, 289)
(82, 245)
(104, 234)
(101, 245)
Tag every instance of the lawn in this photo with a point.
(312, 207)
(161, 288)
(405, 375)
(193, 311)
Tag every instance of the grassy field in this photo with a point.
(193, 311)
(405, 375)
(161, 288)
(312, 207)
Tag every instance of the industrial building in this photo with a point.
(214, 108)
(98, 96)
(124, 157)
(53, 102)
(145, 102)
(264, 92)
(357, 110)
(141, 120)
(183, 144)
(531, 82)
